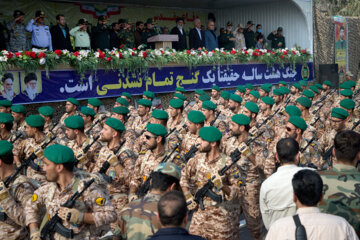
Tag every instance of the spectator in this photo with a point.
(276, 192)
(173, 217)
(138, 32)
(259, 42)
(114, 37)
(341, 183)
(81, 35)
(179, 30)
(239, 37)
(100, 35)
(259, 31)
(40, 33)
(307, 187)
(211, 41)
(277, 39)
(227, 39)
(60, 34)
(249, 35)
(148, 33)
(222, 31)
(17, 34)
(164, 30)
(196, 36)
(126, 36)
(132, 221)
(2, 37)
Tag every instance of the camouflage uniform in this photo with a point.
(95, 131)
(216, 101)
(60, 128)
(327, 140)
(219, 124)
(188, 141)
(14, 226)
(48, 127)
(349, 124)
(127, 38)
(312, 154)
(50, 196)
(218, 220)
(20, 127)
(17, 42)
(139, 125)
(138, 220)
(119, 187)
(342, 193)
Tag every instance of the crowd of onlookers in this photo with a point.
(14, 35)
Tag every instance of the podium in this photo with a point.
(164, 40)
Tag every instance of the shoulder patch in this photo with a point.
(100, 201)
(142, 152)
(34, 197)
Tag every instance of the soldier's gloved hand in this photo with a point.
(4, 192)
(71, 215)
(35, 234)
(217, 179)
(190, 201)
(132, 197)
(80, 156)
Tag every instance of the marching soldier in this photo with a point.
(195, 122)
(216, 221)
(6, 124)
(349, 105)
(5, 106)
(251, 110)
(223, 105)
(122, 101)
(47, 113)
(215, 95)
(122, 113)
(248, 87)
(254, 96)
(14, 196)
(234, 104)
(92, 128)
(265, 90)
(198, 93)
(18, 112)
(295, 92)
(92, 213)
(278, 100)
(240, 90)
(212, 119)
(144, 107)
(95, 104)
(70, 109)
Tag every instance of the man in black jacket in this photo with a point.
(179, 30)
(196, 36)
(249, 35)
(60, 34)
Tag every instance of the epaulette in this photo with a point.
(142, 152)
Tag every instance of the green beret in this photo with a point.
(149, 94)
(73, 101)
(241, 88)
(265, 88)
(122, 101)
(268, 100)
(126, 94)
(298, 122)
(210, 134)
(46, 111)
(225, 95)
(339, 113)
(5, 148)
(346, 92)
(180, 89)
(297, 85)
(115, 124)
(94, 102)
(352, 83)
(35, 121)
(347, 103)
(319, 86)
(121, 110)
(256, 94)
(241, 119)
(157, 129)
(160, 114)
(283, 82)
(170, 169)
(328, 83)
(196, 117)
(209, 105)
(236, 98)
(304, 101)
(249, 86)
(176, 103)
(277, 92)
(6, 118)
(293, 110)
(5, 103)
(180, 96)
(303, 83)
(216, 88)
(308, 93)
(284, 90)
(252, 107)
(74, 122)
(59, 154)
(200, 92)
(18, 109)
(314, 89)
(87, 111)
(204, 98)
(145, 102)
(345, 85)
(268, 85)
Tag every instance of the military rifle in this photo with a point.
(95, 123)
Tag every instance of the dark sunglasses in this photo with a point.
(149, 137)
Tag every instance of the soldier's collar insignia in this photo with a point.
(100, 201)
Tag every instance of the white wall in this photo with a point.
(295, 16)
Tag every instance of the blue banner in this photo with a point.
(61, 84)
